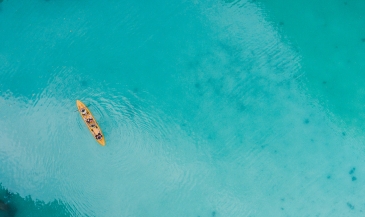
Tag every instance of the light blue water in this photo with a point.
(208, 108)
(330, 36)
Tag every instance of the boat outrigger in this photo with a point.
(90, 122)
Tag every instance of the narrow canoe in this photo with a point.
(92, 124)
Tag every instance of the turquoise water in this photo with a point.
(15, 205)
(214, 108)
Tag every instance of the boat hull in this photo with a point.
(92, 125)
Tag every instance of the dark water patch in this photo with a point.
(306, 121)
(199, 88)
(281, 23)
(212, 136)
(83, 83)
(363, 39)
(241, 107)
(353, 178)
(329, 177)
(216, 85)
(192, 65)
(296, 50)
(324, 82)
(135, 90)
(12, 205)
(344, 133)
(7, 209)
(214, 213)
(352, 170)
(230, 58)
(282, 208)
(352, 207)
(282, 199)
(210, 80)
(345, 3)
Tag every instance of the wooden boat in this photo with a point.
(90, 122)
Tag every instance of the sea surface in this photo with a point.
(209, 108)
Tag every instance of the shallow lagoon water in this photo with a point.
(330, 37)
(208, 109)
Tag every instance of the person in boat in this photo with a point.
(94, 126)
(89, 120)
(83, 111)
(98, 136)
